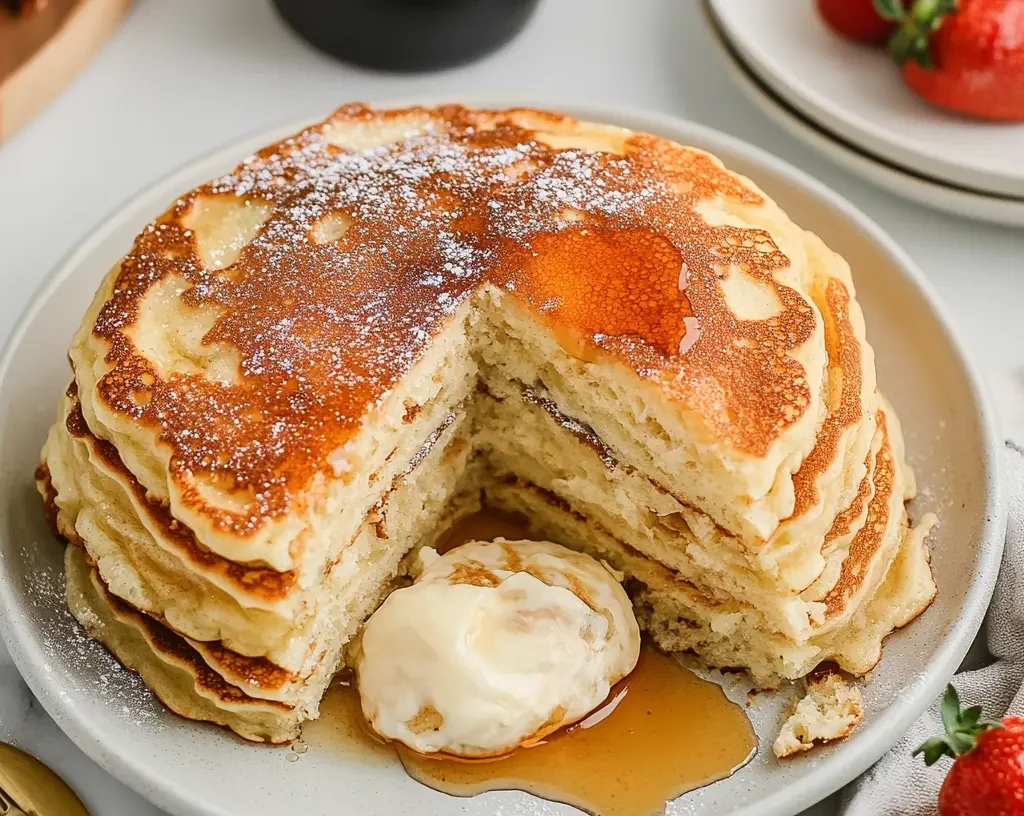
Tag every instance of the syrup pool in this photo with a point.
(662, 731)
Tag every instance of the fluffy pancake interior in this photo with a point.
(529, 457)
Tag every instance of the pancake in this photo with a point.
(172, 669)
(274, 653)
(311, 367)
(735, 628)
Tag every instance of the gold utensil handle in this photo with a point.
(29, 788)
(8, 807)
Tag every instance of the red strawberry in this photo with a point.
(856, 20)
(987, 776)
(962, 55)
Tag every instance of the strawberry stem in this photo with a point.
(912, 38)
(963, 727)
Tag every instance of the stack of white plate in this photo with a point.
(849, 102)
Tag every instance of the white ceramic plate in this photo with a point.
(858, 92)
(945, 197)
(201, 770)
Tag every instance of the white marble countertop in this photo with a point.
(181, 76)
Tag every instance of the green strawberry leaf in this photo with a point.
(950, 710)
(971, 716)
(929, 13)
(889, 9)
(962, 742)
(933, 750)
(963, 727)
(910, 44)
(912, 39)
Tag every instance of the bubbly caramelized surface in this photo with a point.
(255, 580)
(316, 274)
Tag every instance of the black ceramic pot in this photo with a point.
(407, 35)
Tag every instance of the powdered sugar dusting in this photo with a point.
(324, 329)
(692, 334)
(65, 643)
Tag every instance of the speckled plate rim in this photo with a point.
(873, 739)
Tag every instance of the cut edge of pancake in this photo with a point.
(908, 581)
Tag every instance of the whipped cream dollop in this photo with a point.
(494, 646)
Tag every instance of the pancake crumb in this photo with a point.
(831, 710)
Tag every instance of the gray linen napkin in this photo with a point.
(901, 785)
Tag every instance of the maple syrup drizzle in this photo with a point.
(662, 731)
(484, 525)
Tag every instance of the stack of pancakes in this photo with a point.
(314, 365)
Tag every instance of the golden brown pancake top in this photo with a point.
(366, 253)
